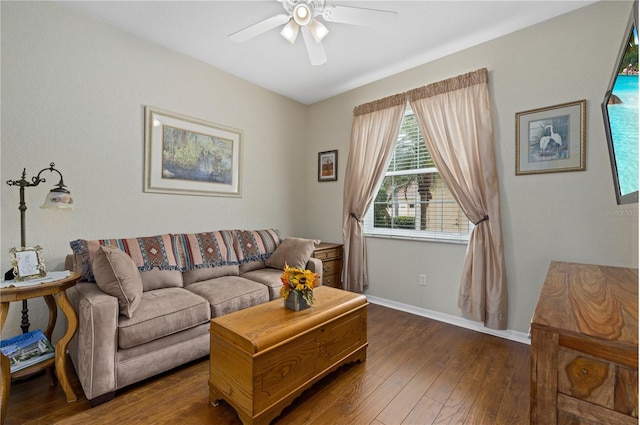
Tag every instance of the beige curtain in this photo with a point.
(455, 119)
(373, 137)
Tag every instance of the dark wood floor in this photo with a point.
(418, 371)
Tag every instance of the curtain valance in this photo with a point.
(380, 104)
(456, 83)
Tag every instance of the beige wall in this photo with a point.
(73, 90)
(560, 216)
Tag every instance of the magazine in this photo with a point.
(26, 349)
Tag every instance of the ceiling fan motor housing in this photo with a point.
(302, 14)
(303, 11)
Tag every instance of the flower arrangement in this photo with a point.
(301, 281)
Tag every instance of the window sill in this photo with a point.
(417, 238)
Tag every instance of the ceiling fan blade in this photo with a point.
(259, 28)
(359, 16)
(317, 56)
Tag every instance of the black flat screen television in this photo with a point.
(620, 111)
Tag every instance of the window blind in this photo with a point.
(413, 200)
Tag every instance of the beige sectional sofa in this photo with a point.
(144, 304)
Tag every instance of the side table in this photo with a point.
(331, 256)
(54, 294)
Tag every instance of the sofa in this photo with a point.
(144, 304)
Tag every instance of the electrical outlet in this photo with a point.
(423, 280)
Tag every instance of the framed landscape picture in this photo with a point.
(189, 156)
(551, 139)
(328, 166)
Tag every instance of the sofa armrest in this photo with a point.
(94, 346)
(73, 262)
(315, 265)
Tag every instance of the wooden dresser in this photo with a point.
(331, 256)
(584, 346)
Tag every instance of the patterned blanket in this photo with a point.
(185, 251)
(256, 245)
(208, 249)
(146, 252)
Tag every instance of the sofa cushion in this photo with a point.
(252, 265)
(198, 275)
(147, 360)
(227, 294)
(117, 275)
(269, 277)
(157, 279)
(162, 312)
(294, 252)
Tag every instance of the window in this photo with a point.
(413, 201)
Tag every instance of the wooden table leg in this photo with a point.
(53, 316)
(61, 346)
(5, 368)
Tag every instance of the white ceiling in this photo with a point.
(424, 31)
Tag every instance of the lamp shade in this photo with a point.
(58, 197)
(290, 31)
(318, 31)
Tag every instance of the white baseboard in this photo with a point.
(451, 319)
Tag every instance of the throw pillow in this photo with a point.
(117, 275)
(294, 252)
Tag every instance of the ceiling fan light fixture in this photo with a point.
(302, 14)
(318, 30)
(290, 31)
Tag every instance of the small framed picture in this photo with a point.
(27, 263)
(328, 166)
(551, 139)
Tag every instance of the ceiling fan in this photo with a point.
(302, 15)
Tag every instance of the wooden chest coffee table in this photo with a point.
(263, 357)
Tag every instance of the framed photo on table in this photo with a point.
(551, 139)
(328, 166)
(27, 263)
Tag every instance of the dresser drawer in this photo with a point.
(333, 280)
(598, 381)
(329, 254)
(331, 267)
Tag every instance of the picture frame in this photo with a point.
(27, 263)
(190, 156)
(328, 166)
(551, 139)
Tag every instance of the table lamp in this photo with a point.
(58, 197)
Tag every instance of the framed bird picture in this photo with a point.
(551, 139)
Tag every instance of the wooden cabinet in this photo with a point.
(584, 346)
(331, 256)
(265, 356)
